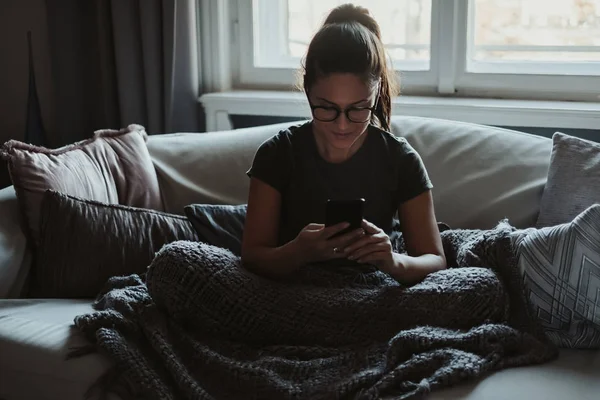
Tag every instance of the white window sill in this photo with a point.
(510, 113)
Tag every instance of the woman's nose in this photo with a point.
(342, 122)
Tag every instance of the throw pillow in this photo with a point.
(560, 266)
(573, 182)
(112, 167)
(397, 239)
(85, 242)
(219, 225)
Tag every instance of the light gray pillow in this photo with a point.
(560, 266)
(573, 180)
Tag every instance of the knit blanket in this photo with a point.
(200, 326)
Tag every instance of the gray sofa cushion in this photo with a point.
(481, 174)
(573, 180)
(35, 338)
(14, 255)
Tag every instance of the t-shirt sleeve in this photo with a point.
(272, 162)
(413, 176)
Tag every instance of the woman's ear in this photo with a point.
(306, 91)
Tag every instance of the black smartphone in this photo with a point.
(350, 211)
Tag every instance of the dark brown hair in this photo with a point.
(350, 42)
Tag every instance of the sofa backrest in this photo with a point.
(481, 174)
(206, 167)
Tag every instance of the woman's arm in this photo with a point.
(425, 252)
(260, 252)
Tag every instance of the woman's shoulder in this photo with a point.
(280, 147)
(395, 144)
(286, 137)
(273, 160)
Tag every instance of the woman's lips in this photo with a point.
(342, 135)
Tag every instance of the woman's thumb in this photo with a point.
(314, 227)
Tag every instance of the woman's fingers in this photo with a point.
(340, 243)
(366, 250)
(365, 241)
(374, 258)
(314, 227)
(344, 240)
(334, 229)
(370, 228)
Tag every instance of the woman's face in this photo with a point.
(341, 91)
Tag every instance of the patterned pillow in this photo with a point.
(560, 266)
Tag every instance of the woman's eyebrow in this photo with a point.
(331, 102)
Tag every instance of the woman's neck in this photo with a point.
(336, 155)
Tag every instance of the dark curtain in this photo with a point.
(117, 62)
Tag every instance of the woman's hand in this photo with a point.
(316, 242)
(375, 248)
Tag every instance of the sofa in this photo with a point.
(481, 175)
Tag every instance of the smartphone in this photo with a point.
(350, 211)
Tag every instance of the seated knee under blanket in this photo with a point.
(205, 287)
(200, 326)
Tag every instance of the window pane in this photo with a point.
(535, 30)
(405, 25)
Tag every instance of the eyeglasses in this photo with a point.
(353, 114)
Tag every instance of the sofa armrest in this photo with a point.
(15, 257)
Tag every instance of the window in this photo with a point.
(494, 48)
(560, 36)
(405, 26)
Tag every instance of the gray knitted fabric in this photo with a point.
(202, 327)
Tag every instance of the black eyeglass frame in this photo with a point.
(346, 112)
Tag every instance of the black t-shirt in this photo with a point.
(385, 171)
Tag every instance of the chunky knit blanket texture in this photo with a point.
(200, 326)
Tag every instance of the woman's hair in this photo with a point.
(350, 42)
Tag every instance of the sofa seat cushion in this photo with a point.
(574, 375)
(35, 336)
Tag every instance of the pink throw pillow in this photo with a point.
(113, 167)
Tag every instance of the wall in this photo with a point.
(16, 18)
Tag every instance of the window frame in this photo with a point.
(451, 73)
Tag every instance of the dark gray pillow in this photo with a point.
(85, 242)
(219, 225)
(396, 235)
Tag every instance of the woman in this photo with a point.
(345, 151)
